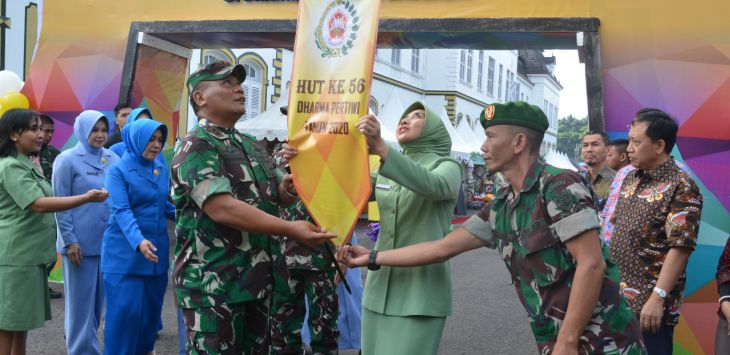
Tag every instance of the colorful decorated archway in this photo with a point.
(671, 55)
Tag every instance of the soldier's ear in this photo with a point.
(520, 142)
(198, 97)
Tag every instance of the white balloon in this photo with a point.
(9, 82)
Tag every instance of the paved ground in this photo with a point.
(487, 316)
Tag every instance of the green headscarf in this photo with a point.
(434, 137)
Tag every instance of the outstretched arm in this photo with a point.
(437, 251)
(224, 209)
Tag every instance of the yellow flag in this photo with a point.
(330, 90)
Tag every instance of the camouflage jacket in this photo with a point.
(530, 230)
(216, 264)
(48, 155)
(296, 255)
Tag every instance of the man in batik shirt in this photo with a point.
(594, 151)
(655, 223)
(543, 223)
(227, 193)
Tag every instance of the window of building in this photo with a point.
(462, 66)
(499, 83)
(469, 63)
(507, 85)
(252, 89)
(480, 70)
(215, 55)
(395, 56)
(490, 77)
(415, 60)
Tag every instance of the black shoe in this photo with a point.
(54, 294)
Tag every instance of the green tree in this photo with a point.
(570, 133)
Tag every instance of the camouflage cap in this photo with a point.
(517, 113)
(216, 71)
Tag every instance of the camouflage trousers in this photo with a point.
(239, 328)
(288, 310)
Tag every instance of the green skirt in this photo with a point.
(397, 335)
(24, 302)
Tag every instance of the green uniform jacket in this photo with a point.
(27, 238)
(416, 194)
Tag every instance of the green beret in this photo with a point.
(216, 71)
(517, 113)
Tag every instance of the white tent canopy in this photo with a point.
(479, 132)
(270, 124)
(458, 147)
(464, 130)
(391, 113)
(559, 160)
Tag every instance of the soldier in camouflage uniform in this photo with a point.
(227, 193)
(303, 271)
(543, 223)
(48, 153)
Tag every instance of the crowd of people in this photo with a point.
(597, 257)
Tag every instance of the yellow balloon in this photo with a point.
(14, 100)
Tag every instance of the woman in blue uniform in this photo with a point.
(135, 251)
(138, 113)
(80, 231)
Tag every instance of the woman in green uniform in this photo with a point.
(27, 230)
(404, 309)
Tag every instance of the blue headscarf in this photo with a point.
(83, 126)
(136, 112)
(137, 134)
(121, 147)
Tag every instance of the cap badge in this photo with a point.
(489, 112)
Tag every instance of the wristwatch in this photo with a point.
(660, 292)
(371, 260)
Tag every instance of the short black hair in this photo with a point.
(17, 120)
(534, 138)
(660, 125)
(620, 144)
(604, 136)
(45, 119)
(119, 107)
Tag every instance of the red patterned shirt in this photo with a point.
(657, 210)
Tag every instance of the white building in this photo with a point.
(457, 83)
